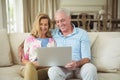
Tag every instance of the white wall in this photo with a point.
(83, 5)
(82, 2)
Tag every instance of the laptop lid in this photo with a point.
(54, 56)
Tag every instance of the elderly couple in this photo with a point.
(67, 34)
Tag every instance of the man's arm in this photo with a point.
(85, 50)
(82, 62)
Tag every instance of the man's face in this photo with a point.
(62, 21)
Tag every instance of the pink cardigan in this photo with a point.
(30, 44)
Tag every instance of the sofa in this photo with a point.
(105, 51)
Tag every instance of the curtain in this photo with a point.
(114, 9)
(29, 11)
(114, 13)
(32, 7)
(48, 6)
(3, 14)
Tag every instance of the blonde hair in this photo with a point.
(35, 28)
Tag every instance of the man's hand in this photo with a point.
(75, 64)
(71, 66)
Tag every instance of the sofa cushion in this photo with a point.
(11, 73)
(15, 40)
(92, 37)
(109, 76)
(106, 54)
(5, 55)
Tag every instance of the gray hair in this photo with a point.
(66, 11)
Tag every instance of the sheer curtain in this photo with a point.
(32, 7)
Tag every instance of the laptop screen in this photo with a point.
(54, 56)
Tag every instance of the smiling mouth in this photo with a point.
(62, 28)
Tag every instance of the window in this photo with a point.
(14, 16)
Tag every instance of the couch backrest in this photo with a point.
(17, 38)
(94, 35)
(5, 54)
(105, 51)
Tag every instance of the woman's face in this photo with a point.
(44, 26)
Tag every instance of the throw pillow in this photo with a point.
(106, 54)
(5, 55)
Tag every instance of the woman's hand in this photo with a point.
(36, 65)
(24, 61)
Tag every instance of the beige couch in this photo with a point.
(105, 48)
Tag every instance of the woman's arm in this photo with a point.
(30, 44)
(24, 61)
(21, 50)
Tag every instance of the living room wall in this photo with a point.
(83, 5)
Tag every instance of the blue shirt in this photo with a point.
(78, 40)
(44, 41)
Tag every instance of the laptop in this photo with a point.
(54, 56)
